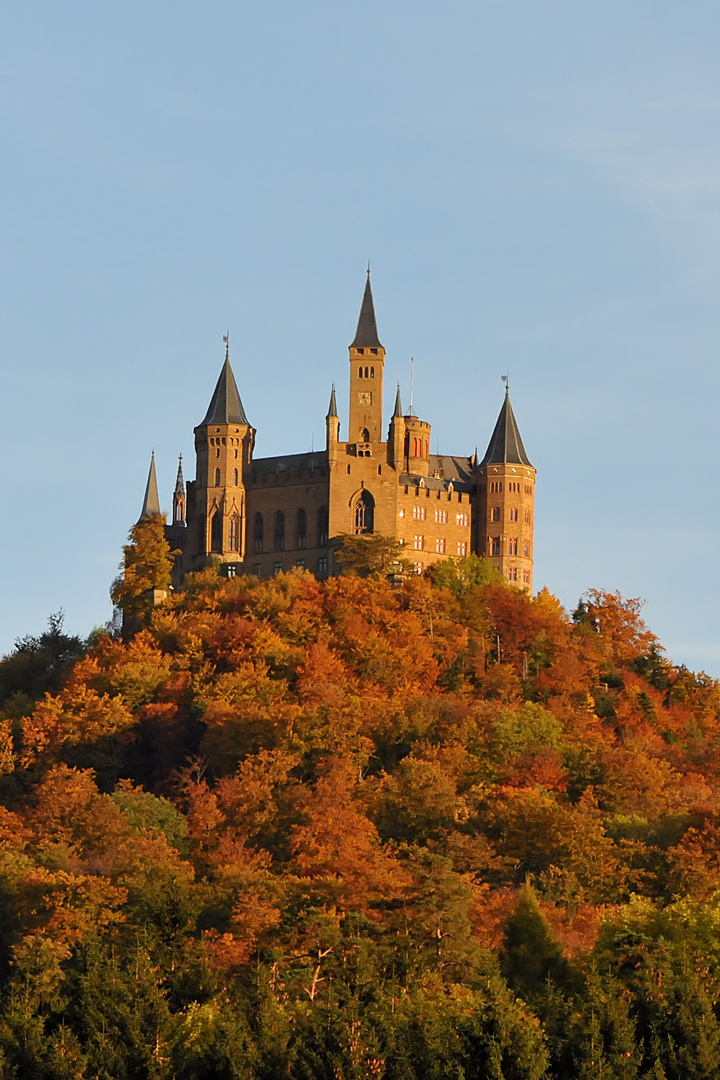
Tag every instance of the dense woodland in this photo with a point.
(413, 830)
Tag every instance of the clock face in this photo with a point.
(365, 398)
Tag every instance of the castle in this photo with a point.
(265, 515)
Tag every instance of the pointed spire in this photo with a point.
(225, 405)
(151, 502)
(180, 481)
(366, 335)
(505, 446)
(332, 407)
(398, 405)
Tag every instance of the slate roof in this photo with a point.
(332, 408)
(505, 446)
(366, 335)
(151, 502)
(225, 405)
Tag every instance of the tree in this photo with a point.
(146, 566)
(460, 575)
(371, 555)
(37, 664)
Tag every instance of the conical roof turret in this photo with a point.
(151, 502)
(225, 405)
(332, 407)
(366, 335)
(398, 405)
(505, 446)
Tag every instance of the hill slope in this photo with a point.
(296, 829)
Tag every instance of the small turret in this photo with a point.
(417, 445)
(396, 435)
(179, 498)
(223, 445)
(332, 421)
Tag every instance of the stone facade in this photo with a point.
(266, 515)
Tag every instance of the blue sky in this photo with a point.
(536, 186)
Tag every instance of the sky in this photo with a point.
(536, 186)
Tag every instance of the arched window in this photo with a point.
(372, 372)
(364, 513)
(415, 448)
(216, 532)
(366, 373)
(217, 478)
(360, 373)
(301, 528)
(365, 435)
(279, 531)
(235, 477)
(258, 529)
(322, 526)
(234, 534)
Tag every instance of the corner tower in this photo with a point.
(224, 444)
(367, 363)
(506, 502)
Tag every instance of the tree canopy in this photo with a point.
(344, 829)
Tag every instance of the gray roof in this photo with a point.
(434, 483)
(366, 335)
(225, 405)
(151, 502)
(506, 446)
(332, 408)
(398, 405)
(451, 467)
(290, 463)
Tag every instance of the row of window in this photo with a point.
(513, 514)
(223, 442)
(278, 534)
(370, 376)
(440, 545)
(513, 574)
(514, 486)
(217, 452)
(216, 532)
(419, 447)
(441, 516)
(373, 351)
(235, 477)
(512, 546)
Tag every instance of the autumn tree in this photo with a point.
(371, 555)
(146, 566)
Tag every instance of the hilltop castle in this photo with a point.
(266, 515)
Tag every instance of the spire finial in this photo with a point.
(226, 339)
(368, 272)
(412, 383)
(506, 379)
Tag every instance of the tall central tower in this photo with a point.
(367, 361)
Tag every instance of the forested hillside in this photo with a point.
(338, 830)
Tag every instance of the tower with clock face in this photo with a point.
(367, 361)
